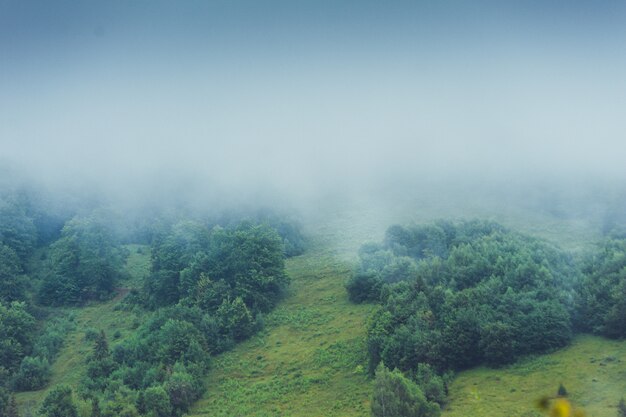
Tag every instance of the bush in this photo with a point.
(59, 403)
(157, 402)
(601, 306)
(363, 287)
(395, 395)
(34, 373)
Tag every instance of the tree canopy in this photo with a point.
(458, 295)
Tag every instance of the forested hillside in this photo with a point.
(213, 314)
(204, 289)
(454, 296)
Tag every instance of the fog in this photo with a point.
(299, 101)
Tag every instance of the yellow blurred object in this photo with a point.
(561, 408)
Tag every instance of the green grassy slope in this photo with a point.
(592, 369)
(70, 366)
(309, 359)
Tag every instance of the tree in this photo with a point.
(181, 390)
(100, 364)
(4, 391)
(235, 319)
(601, 308)
(250, 260)
(17, 230)
(12, 410)
(498, 343)
(59, 403)
(34, 373)
(12, 284)
(101, 347)
(364, 286)
(397, 396)
(95, 408)
(157, 402)
(84, 263)
(17, 329)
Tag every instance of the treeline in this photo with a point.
(208, 288)
(457, 295)
(26, 347)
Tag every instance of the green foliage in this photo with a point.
(287, 227)
(17, 230)
(364, 286)
(470, 293)
(84, 264)
(249, 259)
(602, 292)
(101, 365)
(12, 410)
(170, 351)
(95, 408)
(50, 341)
(34, 373)
(101, 347)
(157, 402)
(12, 284)
(17, 329)
(235, 319)
(294, 242)
(210, 266)
(433, 385)
(455, 296)
(59, 403)
(4, 390)
(182, 389)
(397, 396)
(513, 390)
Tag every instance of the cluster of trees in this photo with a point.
(287, 227)
(18, 238)
(207, 290)
(454, 296)
(601, 295)
(25, 352)
(84, 264)
(34, 370)
(19, 344)
(215, 268)
(17, 330)
(158, 371)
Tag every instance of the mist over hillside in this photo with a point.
(307, 208)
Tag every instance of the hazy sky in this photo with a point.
(309, 94)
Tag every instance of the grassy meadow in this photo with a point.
(592, 369)
(310, 358)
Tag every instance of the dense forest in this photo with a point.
(210, 282)
(449, 296)
(458, 295)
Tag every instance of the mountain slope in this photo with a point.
(308, 361)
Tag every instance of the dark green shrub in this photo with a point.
(34, 373)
